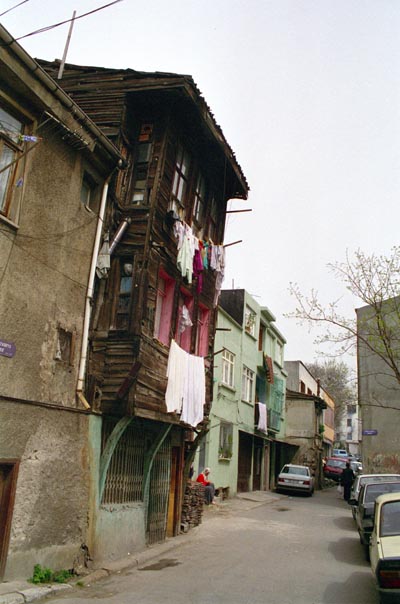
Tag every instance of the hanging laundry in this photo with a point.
(198, 270)
(103, 259)
(204, 254)
(220, 271)
(186, 386)
(184, 320)
(176, 374)
(262, 417)
(186, 253)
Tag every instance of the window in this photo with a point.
(228, 365)
(10, 149)
(164, 306)
(213, 221)
(183, 334)
(65, 346)
(279, 353)
(247, 384)
(203, 324)
(199, 201)
(180, 183)
(250, 321)
(140, 172)
(87, 190)
(225, 441)
(124, 294)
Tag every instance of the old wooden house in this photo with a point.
(164, 241)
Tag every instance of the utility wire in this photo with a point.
(12, 8)
(49, 27)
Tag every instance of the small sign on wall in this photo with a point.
(7, 349)
(370, 432)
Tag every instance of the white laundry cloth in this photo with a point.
(262, 417)
(176, 373)
(186, 388)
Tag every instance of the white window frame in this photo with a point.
(247, 384)
(250, 319)
(228, 368)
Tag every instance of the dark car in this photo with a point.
(334, 467)
(365, 508)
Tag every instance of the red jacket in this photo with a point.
(201, 478)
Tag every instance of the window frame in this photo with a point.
(250, 320)
(228, 368)
(184, 338)
(203, 330)
(140, 171)
(247, 384)
(225, 447)
(123, 294)
(181, 180)
(16, 148)
(164, 307)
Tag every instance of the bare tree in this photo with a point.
(337, 379)
(375, 282)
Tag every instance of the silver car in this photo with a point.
(362, 479)
(295, 478)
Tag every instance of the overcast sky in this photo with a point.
(307, 93)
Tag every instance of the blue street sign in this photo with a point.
(369, 432)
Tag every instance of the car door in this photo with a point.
(374, 545)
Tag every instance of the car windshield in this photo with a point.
(373, 490)
(294, 470)
(336, 463)
(390, 519)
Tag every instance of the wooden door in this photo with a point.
(173, 492)
(244, 462)
(8, 484)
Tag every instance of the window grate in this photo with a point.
(124, 481)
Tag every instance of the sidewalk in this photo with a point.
(20, 592)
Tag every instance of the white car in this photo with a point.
(384, 547)
(295, 478)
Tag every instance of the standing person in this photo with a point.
(346, 480)
(209, 489)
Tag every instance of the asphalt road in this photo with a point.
(294, 550)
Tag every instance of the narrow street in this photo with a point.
(295, 549)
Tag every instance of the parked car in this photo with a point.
(340, 453)
(364, 479)
(384, 548)
(295, 478)
(365, 508)
(334, 467)
(356, 466)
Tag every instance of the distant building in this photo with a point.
(244, 445)
(378, 389)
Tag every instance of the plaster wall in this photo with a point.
(45, 282)
(49, 522)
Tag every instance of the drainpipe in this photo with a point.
(89, 298)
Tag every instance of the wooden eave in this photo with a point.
(85, 83)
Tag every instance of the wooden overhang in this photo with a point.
(103, 94)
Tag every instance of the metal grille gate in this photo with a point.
(159, 494)
(124, 481)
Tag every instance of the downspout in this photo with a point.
(89, 297)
